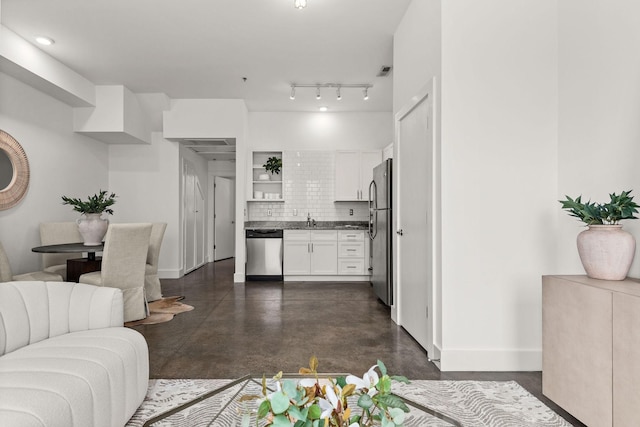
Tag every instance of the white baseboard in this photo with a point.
(170, 274)
(490, 360)
(238, 278)
(327, 278)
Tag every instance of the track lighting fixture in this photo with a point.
(338, 86)
(299, 4)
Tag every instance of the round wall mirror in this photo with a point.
(14, 171)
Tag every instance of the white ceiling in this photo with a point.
(204, 48)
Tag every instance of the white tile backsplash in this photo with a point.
(308, 186)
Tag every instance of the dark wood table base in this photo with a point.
(76, 267)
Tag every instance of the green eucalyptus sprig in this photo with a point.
(314, 402)
(97, 203)
(618, 208)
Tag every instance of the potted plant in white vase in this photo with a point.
(92, 227)
(605, 249)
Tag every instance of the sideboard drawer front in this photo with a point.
(351, 266)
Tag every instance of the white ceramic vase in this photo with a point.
(92, 228)
(606, 251)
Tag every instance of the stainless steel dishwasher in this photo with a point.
(264, 254)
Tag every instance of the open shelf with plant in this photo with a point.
(266, 177)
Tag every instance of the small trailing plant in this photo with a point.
(98, 203)
(618, 208)
(316, 402)
(273, 165)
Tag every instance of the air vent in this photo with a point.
(384, 71)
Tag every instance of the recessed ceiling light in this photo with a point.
(45, 41)
(323, 108)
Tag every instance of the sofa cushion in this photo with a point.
(33, 311)
(95, 377)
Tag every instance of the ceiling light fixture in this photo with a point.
(45, 41)
(338, 86)
(323, 108)
(299, 4)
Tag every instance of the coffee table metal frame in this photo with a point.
(258, 380)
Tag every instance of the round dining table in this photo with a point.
(76, 266)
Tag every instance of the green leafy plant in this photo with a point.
(95, 204)
(618, 208)
(316, 402)
(273, 165)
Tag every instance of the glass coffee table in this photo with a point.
(223, 407)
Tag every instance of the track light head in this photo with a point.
(318, 96)
(293, 93)
(365, 93)
(299, 4)
(338, 95)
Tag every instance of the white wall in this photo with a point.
(417, 60)
(61, 162)
(319, 131)
(498, 164)
(599, 108)
(146, 179)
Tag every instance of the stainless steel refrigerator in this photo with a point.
(380, 229)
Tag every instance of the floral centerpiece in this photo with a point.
(316, 402)
(92, 227)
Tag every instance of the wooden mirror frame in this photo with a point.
(17, 188)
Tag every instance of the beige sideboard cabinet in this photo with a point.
(591, 348)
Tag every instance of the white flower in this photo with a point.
(328, 406)
(368, 380)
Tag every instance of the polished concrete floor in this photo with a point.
(265, 327)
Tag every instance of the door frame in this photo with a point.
(426, 94)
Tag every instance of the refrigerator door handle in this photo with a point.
(373, 206)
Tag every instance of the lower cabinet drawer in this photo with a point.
(350, 266)
(355, 250)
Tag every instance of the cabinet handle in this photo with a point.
(312, 247)
(351, 250)
(351, 266)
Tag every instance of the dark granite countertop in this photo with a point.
(302, 225)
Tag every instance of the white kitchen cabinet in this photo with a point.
(310, 252)
(354, 172)
(351, 252)
(264, 189)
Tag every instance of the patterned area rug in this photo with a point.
(471, 403)
(162, 310)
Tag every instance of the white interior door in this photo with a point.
(224, 218)
(200, 222)
(414, 220)
(189, 217)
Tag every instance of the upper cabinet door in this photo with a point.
(354, 172)
(347, 184)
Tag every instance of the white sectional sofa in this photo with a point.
(65, 357)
